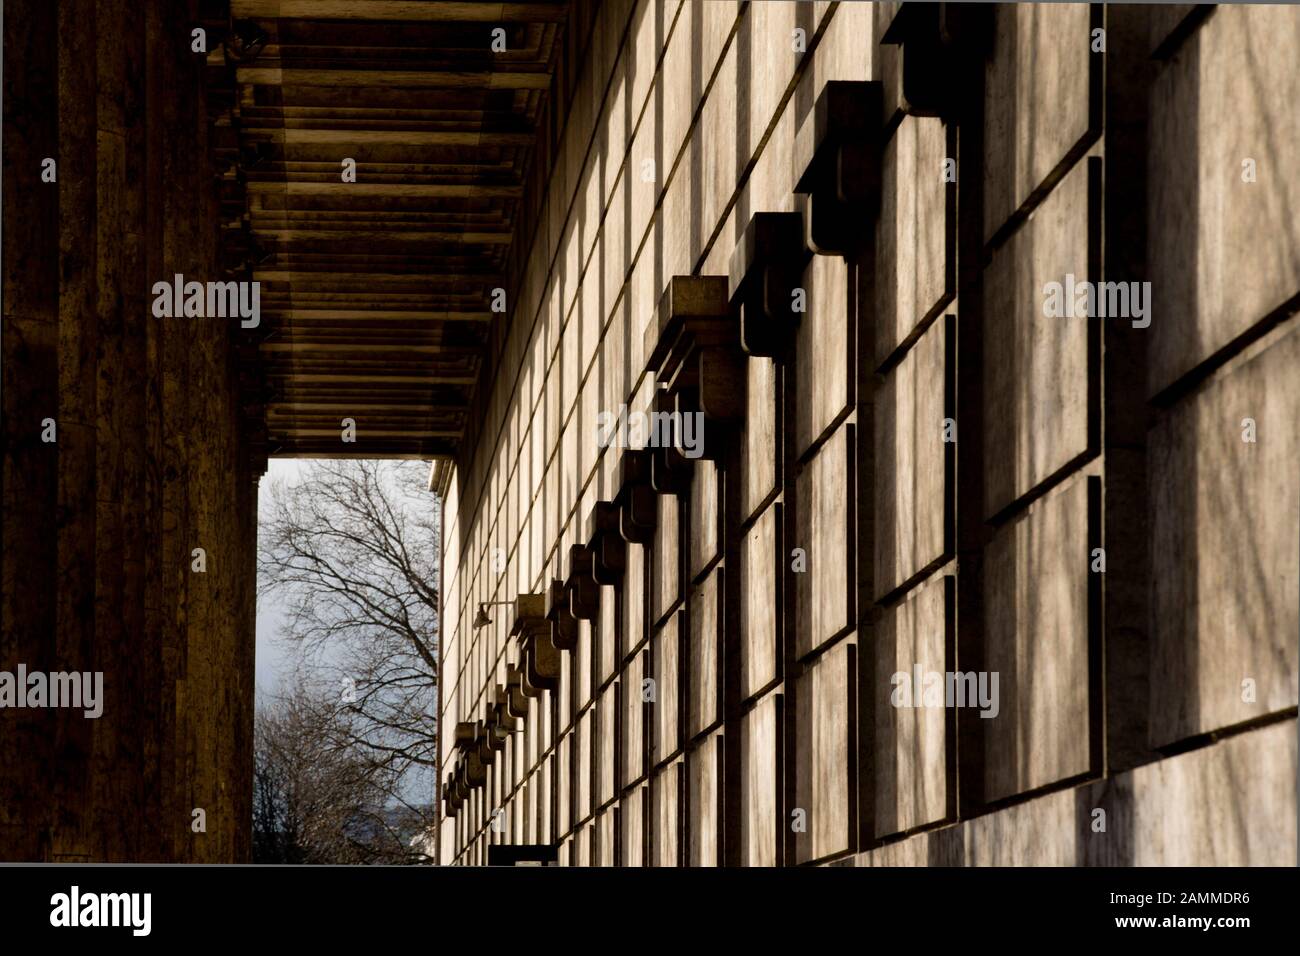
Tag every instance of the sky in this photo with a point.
(274, 660)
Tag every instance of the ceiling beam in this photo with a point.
(324, 407)
(403, 315)
(429, 379)
(416, 10)
(301, 450)
(369, 137)
(397, 79)
(368, 279)
(277, 431)
(393, 236)
(412, 190)
(298, 345)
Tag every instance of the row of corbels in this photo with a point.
(705, 330)
(478, 742)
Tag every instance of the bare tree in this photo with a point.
(350, 549)
(316, 801)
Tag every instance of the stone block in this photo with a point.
(760, 826)
(760, 587)
(1222, 111)
(704, 691)
(912, 771)
(911, 481)
(1225, 602)
(1040, 391)
(825, 753)
(1037, 626)
(1040, 97)
(915, 267)
(827, 532)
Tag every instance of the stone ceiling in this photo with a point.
(375, 293)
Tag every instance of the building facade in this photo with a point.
(891, 455)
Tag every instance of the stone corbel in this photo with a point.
(637, 509)
(539, 657)
(939, 41)
(583, 591)
(495, 734)
(449, 794)
(607, 547)
(486, 744)
(516, 700)
(476, 765)
(463, 736)
(766, 270)
(695, 355)
(462, 779)
(670, 470)
(501, 713)
(498, 725)
(837, 150)
(473, 757)
(564, 626)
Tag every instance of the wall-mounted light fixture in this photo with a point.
(246, 40)
(481, 619)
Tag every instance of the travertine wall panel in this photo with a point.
(824, 348)
(1036, 372)
(1038, 100)
(1036, 627)
(565, 781)
(826, 719)
(1187, 810)
(604, 743)
(634, 591)
(704, 689)
(605, 634)
(603, 838)
(915, 272)
(706, 516)
(1226, 603)
(1223, 113)
(633, 708)
(760, 824)
(583, 762)
(666, 560)
(581, 660)
(911, 481)
(826, 532)
(632, 822)
(703, 786)
(759, 438)
(546, 791)
(760, 562)
(665, 815)
(665, 707)
(910, 745)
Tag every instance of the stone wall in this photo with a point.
(100, 525)
(921, 469)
